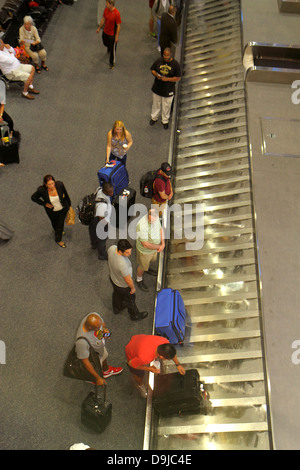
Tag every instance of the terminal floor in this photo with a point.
(46, 291)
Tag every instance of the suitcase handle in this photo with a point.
(98, 393)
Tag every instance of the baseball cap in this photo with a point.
(166, 168)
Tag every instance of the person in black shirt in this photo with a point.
(167, 73)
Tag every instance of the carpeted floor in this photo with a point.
(46, 291)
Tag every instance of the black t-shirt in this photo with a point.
(166, 69)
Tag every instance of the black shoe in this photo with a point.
(152, 272)
(141, 285)
(166, 126)
(105, 258)
(140, 316)
(151, 122)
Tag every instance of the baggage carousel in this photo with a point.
(219, 280)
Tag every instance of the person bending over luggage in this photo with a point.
(55, 199)
(13, 70)
(119, 141)
(142, 350)
(93, 328)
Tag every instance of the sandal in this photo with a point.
(61, 244)
(45, 68)
(38, 70)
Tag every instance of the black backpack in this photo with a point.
(147, 181)
(86, 207)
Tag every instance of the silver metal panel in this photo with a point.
(289, 6)
(219, 281)
(280, 137)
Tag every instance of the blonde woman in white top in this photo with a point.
(28, 35)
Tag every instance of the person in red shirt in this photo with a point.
(111, 23)
(162, 187)
(144, 349)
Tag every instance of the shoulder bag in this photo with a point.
(75, 369)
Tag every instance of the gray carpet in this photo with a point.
(45, 291)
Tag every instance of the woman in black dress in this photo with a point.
(55, 199)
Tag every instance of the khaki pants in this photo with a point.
(143, 261)
(36, 55)
(159, 206)
(163, 105)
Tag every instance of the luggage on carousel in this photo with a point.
(96, 411)
(175, 393)
(115, 173)
(170, 316)
(122, 204)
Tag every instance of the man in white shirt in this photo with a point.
(99, 225)
(13, 70)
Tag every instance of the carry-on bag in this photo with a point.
(9, 146)
(115, 173)
(147, 182)
(86, 207)
(96, 411)
(175, 393)
(122, 204)
(74, 367)
(170, 315)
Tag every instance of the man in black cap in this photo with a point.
(162, 187)
(167, 73)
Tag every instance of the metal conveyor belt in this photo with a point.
(220, 281)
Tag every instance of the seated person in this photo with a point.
(29, 36)
(12, 69)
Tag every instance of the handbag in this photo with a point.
(70, 217)
(36, 47)
(75, 369)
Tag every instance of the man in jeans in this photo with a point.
(111, 20)
(120, 271)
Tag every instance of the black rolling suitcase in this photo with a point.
(96, 411)
(122, 204)
(176, 393)
(9, 146)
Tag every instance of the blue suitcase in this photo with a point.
(170, 316)
(116, 174)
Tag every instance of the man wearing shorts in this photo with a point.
(13, 70)
(149, 242)
(142, 350)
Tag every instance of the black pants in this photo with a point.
(98, 243)
(109, 42)
(123, 299)
(57, 220)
